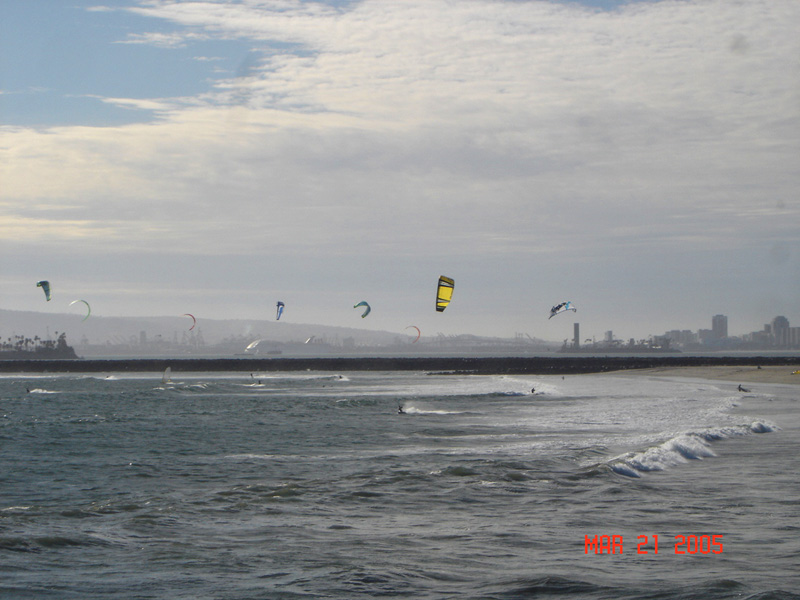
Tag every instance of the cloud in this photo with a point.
(161, 40)
(139, 104)
(460, 130)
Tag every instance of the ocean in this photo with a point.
(310, 485)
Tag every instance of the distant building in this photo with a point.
(683, 337)
(760, 338)
(719, 327)
(782, 335)
(776, 334)
(706, 335)
(780, 331)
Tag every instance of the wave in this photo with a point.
(251, 456)
(693, 445)
(355, 402)
(413, 410)
(15, 509)
(37, 544)
(191, 388)
(312, 376)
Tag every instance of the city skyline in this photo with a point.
(166, 332)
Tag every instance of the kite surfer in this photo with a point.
(562, 307)
(741, 389)
(400, 410)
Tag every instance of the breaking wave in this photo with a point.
(694, 445)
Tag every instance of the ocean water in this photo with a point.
(313, 485)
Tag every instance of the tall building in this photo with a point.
(780, 331)
(719, 327)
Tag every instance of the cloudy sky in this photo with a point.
(639, 158)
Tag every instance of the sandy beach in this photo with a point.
(737, 374)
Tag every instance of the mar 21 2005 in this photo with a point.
(684, 544)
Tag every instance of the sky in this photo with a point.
(639, 158)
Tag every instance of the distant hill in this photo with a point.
(118, 330)
(109, 336)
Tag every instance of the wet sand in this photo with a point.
(736, 374)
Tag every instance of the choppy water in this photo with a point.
(313, 486)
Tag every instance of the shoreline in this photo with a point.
(735, 374)
(746, 368)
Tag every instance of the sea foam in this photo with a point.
(680, 448)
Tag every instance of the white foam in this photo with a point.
(681, 448)
(413, 410)
(249, 456)
(15, 508)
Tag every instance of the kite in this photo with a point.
(444, 292)
(280, 306)
(194, 321)
(368, 309)
(419, 333)
(560, 308)
(45, 285)
(88, 308)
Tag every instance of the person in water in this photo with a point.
(400, 410)
(741, 389)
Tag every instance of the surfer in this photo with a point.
(400, 410)
(741, 389)
(533, 390)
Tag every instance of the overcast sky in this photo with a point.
(641, 159)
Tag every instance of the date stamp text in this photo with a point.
(648, 544)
